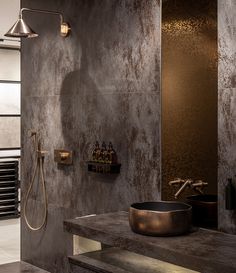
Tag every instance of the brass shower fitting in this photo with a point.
(22, 30)
(197, 185)
(39, 158)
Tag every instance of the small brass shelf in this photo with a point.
(104, 168)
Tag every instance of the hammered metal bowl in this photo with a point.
(162, 218)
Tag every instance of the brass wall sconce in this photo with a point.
(21, 30)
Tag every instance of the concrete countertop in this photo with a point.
(202, 250)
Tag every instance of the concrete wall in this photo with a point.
(101, 83)
(226, 108)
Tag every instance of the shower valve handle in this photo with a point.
(64, 155)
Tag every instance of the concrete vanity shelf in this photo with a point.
(103, 168)
(202, 250)
(115, 260)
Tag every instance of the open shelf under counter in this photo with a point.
(118, 260)
(202, 250)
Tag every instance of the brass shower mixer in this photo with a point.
(63, 157)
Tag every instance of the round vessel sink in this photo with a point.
(162, 218)
(204, 210)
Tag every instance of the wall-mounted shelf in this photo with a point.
(103, 168)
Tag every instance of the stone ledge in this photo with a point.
(202, 250)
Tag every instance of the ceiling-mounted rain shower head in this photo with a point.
(21, 30)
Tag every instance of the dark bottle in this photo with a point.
(98, 153)
(230, 196)
(112, 157)
(103, 153)
(105, 156)
(95, 152)
(109, 153)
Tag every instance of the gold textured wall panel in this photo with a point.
(189, 93)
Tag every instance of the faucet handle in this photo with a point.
(199, 183)
(198, 186)
(177, 181)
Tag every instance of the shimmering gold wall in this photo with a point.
(189, 92)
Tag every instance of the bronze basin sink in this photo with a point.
(162, 218)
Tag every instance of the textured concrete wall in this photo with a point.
(101, 83)
(226, 107)
(189, 94)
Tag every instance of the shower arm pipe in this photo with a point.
(41, 11)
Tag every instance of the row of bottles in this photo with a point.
(104, 154)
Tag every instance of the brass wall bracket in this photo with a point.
(63, 157)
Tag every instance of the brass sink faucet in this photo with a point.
(196, 185)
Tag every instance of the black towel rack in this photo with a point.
(9, 189)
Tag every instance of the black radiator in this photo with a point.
(9, 189)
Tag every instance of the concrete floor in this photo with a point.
(20, 267)
(9, 241)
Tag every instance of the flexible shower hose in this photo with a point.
(38, 166)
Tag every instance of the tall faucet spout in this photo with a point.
(187, 183)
